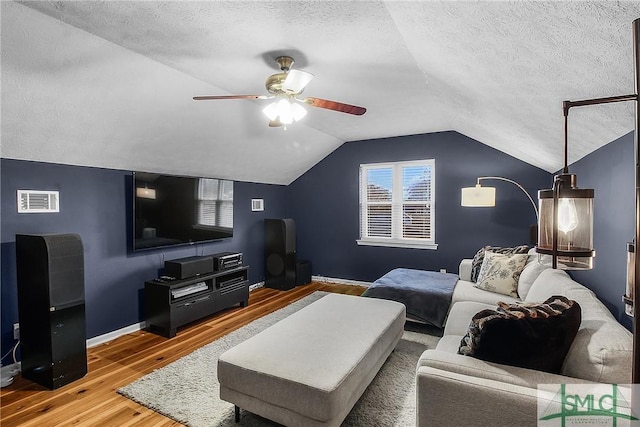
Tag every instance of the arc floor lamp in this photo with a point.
(480, 196)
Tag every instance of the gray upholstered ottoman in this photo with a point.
(310, 368)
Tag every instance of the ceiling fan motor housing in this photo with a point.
(274, 83)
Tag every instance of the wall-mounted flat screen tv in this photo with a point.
(178, 210)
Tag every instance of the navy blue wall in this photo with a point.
(94, 203)
(325, 205)
(610, 172)
(323, 202)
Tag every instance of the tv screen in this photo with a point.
(178, 210)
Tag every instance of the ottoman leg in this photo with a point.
(237, 410)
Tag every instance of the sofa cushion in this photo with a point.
(500, 273)
(467, 291)
(535, 336)
(529, 274)
(476, 263)
(551, 282)
(460, 316)
(602, 350)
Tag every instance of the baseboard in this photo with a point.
(340, 281)
(256, 286)
(109, 336)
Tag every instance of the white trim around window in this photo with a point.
(397, 204)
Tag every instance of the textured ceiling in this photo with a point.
(109, 83)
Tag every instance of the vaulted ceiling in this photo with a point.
(110, 83)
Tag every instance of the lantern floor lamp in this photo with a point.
(565, 228)
(566, 212)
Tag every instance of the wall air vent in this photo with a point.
(257, 205)
(38, 201)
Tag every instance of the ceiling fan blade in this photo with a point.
(296, 81)
(202, 98)
(336, 106)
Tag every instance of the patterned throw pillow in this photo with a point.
(476, 263)
(535, 336)
(500, 273)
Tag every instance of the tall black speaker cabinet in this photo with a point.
(280, 253)
(51, 311)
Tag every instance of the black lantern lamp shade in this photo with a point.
(566, 224)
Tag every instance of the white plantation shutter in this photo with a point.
(396, 204)
(378, 202)
(416, 202)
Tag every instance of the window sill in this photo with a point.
(397, 243)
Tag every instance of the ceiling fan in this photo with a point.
(284, 88)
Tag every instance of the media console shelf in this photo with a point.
(174, 303)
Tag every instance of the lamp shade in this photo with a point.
(296, 81)
(478, 196)
(145, 193)
(566, 224)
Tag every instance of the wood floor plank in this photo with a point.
(93, 400)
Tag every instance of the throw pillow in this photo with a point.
(534, 336)
(476, 263)
(500, 273)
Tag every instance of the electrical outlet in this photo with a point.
(443, 270)
(16, 331)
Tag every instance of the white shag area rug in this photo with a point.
(187, 390)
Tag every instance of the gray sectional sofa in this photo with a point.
(453, 389)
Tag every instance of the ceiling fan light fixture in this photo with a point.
(298, 111)
(271, 111)
(284, 111)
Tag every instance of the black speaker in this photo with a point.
(303, 272)
(280, 253)
(188, 267)
(51, 310)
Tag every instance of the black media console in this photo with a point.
(173, 303)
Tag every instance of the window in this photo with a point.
(215, 203)
(397, 204)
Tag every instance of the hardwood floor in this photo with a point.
(93, 401)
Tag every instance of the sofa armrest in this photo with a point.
(445, 398)
(464, 270)
(470, 366)
(495, 394)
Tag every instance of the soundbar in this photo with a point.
(188, 267)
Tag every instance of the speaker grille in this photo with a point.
(66, 269)
(275, 264)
